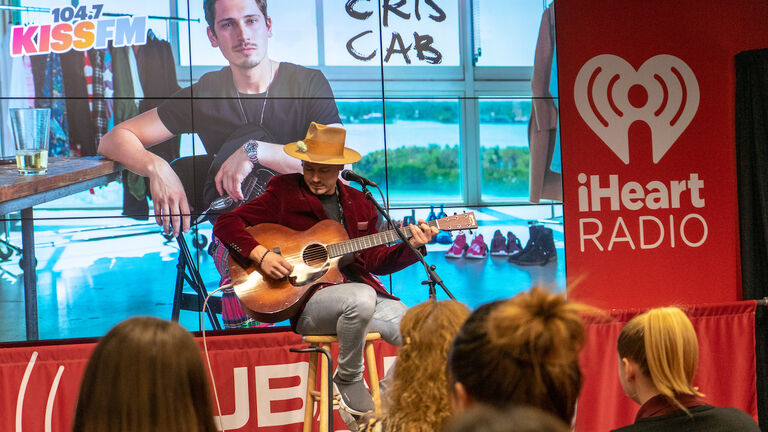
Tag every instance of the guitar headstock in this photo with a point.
(463, 221)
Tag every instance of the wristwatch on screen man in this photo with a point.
(251, 148)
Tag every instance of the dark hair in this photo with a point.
(521, 351)
(484, 418)
(210, 11)
(145, 375)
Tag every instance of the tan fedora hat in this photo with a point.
(323, 145)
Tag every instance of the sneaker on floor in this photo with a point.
(478, 249)
(498, 244)
(444, 237)
(353, 396)
(458, 247)
(513, 244)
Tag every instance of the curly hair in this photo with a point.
(418, 398)
(524, 350)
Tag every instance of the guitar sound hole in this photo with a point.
(314, 255)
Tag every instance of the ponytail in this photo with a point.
(663, 342)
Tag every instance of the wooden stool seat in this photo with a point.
(313, 394)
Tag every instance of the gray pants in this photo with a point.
(349, 311)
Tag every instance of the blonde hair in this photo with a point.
(522, 351)
(663, 343)
(418, 399)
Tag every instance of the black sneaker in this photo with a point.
(354, 397)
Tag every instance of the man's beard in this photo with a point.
(248, 63)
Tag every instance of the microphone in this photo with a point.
(350, 175)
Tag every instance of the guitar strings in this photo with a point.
(325, 253)
(316, 255)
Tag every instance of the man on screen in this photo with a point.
(254, 93)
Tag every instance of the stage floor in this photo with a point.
(93, 273)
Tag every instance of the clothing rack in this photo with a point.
(24, 8)
(111, 14)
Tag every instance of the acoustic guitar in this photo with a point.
(315, 255)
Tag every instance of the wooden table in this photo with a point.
(66, 176)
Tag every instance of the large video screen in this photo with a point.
(452, 105)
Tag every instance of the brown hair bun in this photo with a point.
(537, 326)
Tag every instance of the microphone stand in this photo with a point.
(434, 279)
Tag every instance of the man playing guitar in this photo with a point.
(358, 305)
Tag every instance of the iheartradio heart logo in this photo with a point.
(602, 93)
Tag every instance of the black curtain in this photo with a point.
(752, 173)
(752, 165)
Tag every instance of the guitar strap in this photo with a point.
(341, 210)
(331, 203)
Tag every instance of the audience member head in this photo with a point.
(485, 418)
(521, 351)
(417, 399)
(658, 354)
(145, 375)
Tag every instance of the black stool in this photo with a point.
(192, 171)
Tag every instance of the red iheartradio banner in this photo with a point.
(726, 334)
(647, 121)
(260, 384)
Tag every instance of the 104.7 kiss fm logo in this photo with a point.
(601, 93)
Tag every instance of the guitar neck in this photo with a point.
(369, 241)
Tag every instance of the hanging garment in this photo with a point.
(81, 141)
(542, 128)
(125, 105)
(18, 91)
(99, 109)
(138, 92)
(157, 74)
(49, 93)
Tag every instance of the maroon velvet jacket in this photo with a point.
(289, 202)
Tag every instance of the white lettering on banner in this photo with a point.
(594, 194)
(666, 97)
(242, 412)
(266, 394)
(632, 195)
(602, 90)
(389, 361)
(592, 229)
(51, 399)
(23, 390)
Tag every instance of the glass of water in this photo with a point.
(30, 133)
